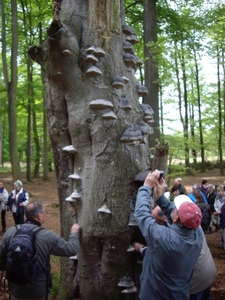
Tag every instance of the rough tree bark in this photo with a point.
(96, 158)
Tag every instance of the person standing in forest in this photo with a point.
(3, 200)
(219, 201)
(211, 196)
(203, 186)
(17, 201)
(47, 243)
(167, 272)
(178, 183)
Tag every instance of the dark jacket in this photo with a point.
(47, 242)
(206, 214)
(222, 217)
(211, 199)
(14, 204)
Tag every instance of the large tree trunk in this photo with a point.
(102, 167)
(151, 65)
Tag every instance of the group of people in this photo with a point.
(210, 199)
(16, 202)
(177, 263)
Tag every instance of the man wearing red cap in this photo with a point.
(172, 250)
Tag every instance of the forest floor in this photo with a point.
(46, 192)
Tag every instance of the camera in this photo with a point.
(161, 175)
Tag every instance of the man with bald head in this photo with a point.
(47, 243)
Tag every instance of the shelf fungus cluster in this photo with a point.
(76, 177)
(136, 133)
(129, 57)
(104, 107)
(127, 284)
(148, 113)
(92, 58)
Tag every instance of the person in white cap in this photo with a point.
(17, 201)
(173, 249)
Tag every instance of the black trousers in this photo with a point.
(3, 214)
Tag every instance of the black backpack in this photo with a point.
(22, 265)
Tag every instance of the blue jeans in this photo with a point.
(203, 295)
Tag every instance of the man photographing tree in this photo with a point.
(172, 250)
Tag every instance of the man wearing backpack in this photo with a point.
(47, 242)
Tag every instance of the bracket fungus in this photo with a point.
(70, 199)
(128, 47)
(129, 60)
(125, 103)
(100, 104)
(130, 249)
(104, 209)
(118, 82)
(130, 290)
(126, 281)
(96, 51)
(132, 220)
(73, 257)
(128, 30)
(132, 39)
(91, 50)
(91, 58)
(70, 149)
(139, 62)
(99, 52)
(66, 52)
(93, 71)
(75, 195)
(74, 176)
(109, 116)
(126, 80)
(142, 90)
(147, 109)
(144, 127)
(131, 134)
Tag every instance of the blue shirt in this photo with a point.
(171, 254)
(193, 198)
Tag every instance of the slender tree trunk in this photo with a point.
(220, 126)
(14, 156)
(29, 118)
(107, 148)
(1, 141)
(192, 132)
(199, 112)
(37, 157)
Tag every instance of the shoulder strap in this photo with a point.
(37, 228)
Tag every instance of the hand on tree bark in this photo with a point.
(75, 228)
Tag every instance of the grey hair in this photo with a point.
(33, 209)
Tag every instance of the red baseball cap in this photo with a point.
(189, 213)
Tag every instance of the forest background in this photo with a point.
(189, 52)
